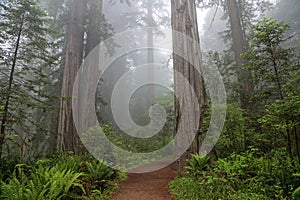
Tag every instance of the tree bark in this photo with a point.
(244, 76)
(67, 135)
(184, 20)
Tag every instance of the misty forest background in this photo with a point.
(255, 44)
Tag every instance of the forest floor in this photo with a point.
(147, 186)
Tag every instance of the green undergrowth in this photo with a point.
(62, 176)
(240, 176)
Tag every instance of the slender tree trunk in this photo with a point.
(94, 26)
(281, 96)
(243, 24)
(244, 76)
(277, 76)
(296, 140)
(67, 135)
(9, 90)
(289, 142)
(151, 90)
(184, 20)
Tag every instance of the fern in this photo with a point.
(60, 177)
(49, 183)
(99, 172)
(13, 190)
(53, 183)
(197, 164)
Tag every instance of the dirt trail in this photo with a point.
(147, 186)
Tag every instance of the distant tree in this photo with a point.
(239, 45)
(240, 15)
(24, 53)
(97, 26)
(150, 13)
(292, 17)
(57, 11)
(141, 13)
(213, 26)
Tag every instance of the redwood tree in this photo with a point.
(244, 76)
(184, 20)
(67, 139)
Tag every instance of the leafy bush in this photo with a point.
(197, 164)
(100, 180)
(186, 188)
(239, 176)
(43, 183)
(63, 176)
(232, 138)
(99, 177)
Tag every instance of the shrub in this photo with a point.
(197, 164)
(239, 176)
(43, 183)
(62, 176)
(186, 188)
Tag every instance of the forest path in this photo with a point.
(147, 186)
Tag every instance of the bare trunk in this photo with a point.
(67, 135)
(281, 95)
(296, 140)
(94, 26)
(151, 91)
(289, 143)
(184, 20)
(244, 76)
(9, 90)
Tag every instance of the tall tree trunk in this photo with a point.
(151, 91)
(184, 20)
(296, 139)
(9, 90)
(244, 76)
(67, 135)
(94, 33)
(243, 24)
(94, 26)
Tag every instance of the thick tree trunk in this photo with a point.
(244, 76)
(9, 90)
(184, 20)
(67, 135)
(85, 91)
